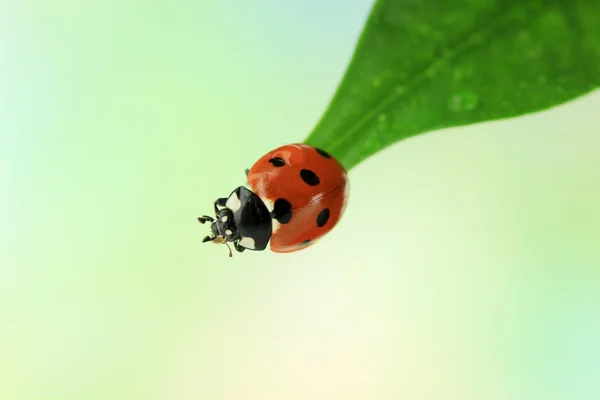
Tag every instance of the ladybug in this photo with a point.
(297, 194)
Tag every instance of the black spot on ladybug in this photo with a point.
(277, 162)
(323, 217)
(309, 177)
(323, 153)
(282, 211)
(305, 243)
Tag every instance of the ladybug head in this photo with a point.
(222, 228)
(243, 219)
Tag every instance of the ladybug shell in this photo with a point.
(306, 190)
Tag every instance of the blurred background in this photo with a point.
(466, 265)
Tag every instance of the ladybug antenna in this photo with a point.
(230, 254)
(220, 240)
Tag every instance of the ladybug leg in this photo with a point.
(208, 239)
(247, 172)
(238, 247)
(205, 218)
(221, 203)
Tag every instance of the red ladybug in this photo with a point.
(299, 193)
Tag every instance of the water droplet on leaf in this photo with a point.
(382, 123)
(528, 45)
(464, 73)
(400, 90)
(463, 101)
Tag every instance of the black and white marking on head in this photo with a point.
(323, 153)
(323, 217)
(309, 177)
(282, 211)
(277, 162)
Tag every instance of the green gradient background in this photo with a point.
(466, 266)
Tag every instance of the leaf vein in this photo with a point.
(478, 37)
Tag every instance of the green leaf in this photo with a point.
(422, 65)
